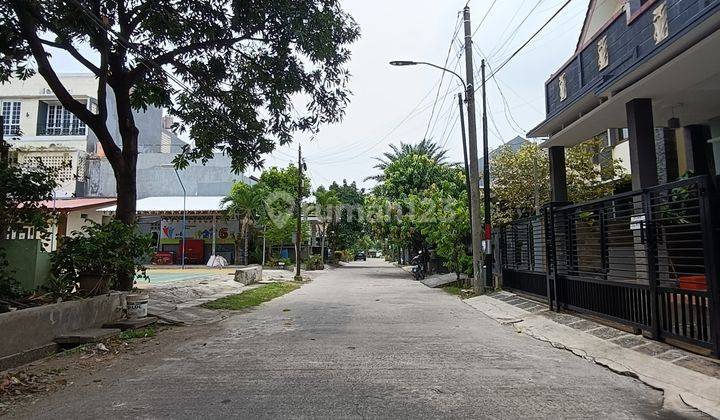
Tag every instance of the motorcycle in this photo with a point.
(418, 271)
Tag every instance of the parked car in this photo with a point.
(360, 256)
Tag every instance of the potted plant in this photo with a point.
(95, 256)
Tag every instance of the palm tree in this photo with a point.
(244, 203)
(425, 147)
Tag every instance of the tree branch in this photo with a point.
(67, 46)
(28, 29)
(166, 58)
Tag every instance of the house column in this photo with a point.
(695, 145)
(558, 176)
(643, 159)
(715, 143)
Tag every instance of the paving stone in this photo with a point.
(561, 318)
(671, 355)
(607, 333)
(525, 305)
(584, 325)
(630, 341)
(700, 364)
(653, 348)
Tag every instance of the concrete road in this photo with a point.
(360, 341)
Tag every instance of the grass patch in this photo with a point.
(252, 297)
(456, 290)
(139, 333)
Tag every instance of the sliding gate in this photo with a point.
(647, 259)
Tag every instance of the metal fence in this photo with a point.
(647, 259)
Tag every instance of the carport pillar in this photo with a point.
(558, 176)
(695, 141)
(643, 159)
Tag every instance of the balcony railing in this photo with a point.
(622, 45)
(63, 131)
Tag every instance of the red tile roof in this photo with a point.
(70, 204)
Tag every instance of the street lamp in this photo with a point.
(184, 217)
(472, 177)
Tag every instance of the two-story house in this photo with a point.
(645, 73)
(38, 127)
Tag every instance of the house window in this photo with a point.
(61, 122)
(11, 114)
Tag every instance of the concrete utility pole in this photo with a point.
(486, 189)
(473, 158)
(465, 153)
(298, 227)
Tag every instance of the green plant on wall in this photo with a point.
(22, 189)
(109, 250)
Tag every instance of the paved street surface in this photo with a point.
(360, 341)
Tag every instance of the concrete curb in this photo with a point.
(682, 387)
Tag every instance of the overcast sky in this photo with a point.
(393, 104)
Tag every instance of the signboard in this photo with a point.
(637, 221)
(171, 230)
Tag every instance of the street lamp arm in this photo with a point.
(446, 70)
(415, 63)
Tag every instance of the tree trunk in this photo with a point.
(245, 249)
(126, 187)
(322, 246)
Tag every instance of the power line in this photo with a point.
(514, 32)
(483, 18)
(442, 76)
(529, 40)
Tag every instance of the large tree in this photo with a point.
(229, 70)
(398, 151)
(521, 179)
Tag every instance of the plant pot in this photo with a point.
(92, 284)
(698, 283)
(137, 305)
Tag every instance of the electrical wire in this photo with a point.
(514, 54)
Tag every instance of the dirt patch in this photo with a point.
(84, 365)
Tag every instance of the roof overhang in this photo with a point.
(177, 205)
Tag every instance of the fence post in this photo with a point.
(650, 260)
(550, 261)
(711, 255)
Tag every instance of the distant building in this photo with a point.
(38, 127)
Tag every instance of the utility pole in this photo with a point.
(473, 156)
(465, 153)
(486, 189)
(298, 204)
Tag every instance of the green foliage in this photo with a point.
(521, 180)
(110, 250)
(22, 190)
(314, 262)
(252, 297)
(347, 225)
(421, 203)
(424, 148)
(146, 332)
(342, 255)
(242, 62)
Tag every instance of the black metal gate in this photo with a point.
(648, 259)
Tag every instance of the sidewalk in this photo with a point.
(687, 379)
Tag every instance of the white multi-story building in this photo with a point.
(38, 127)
